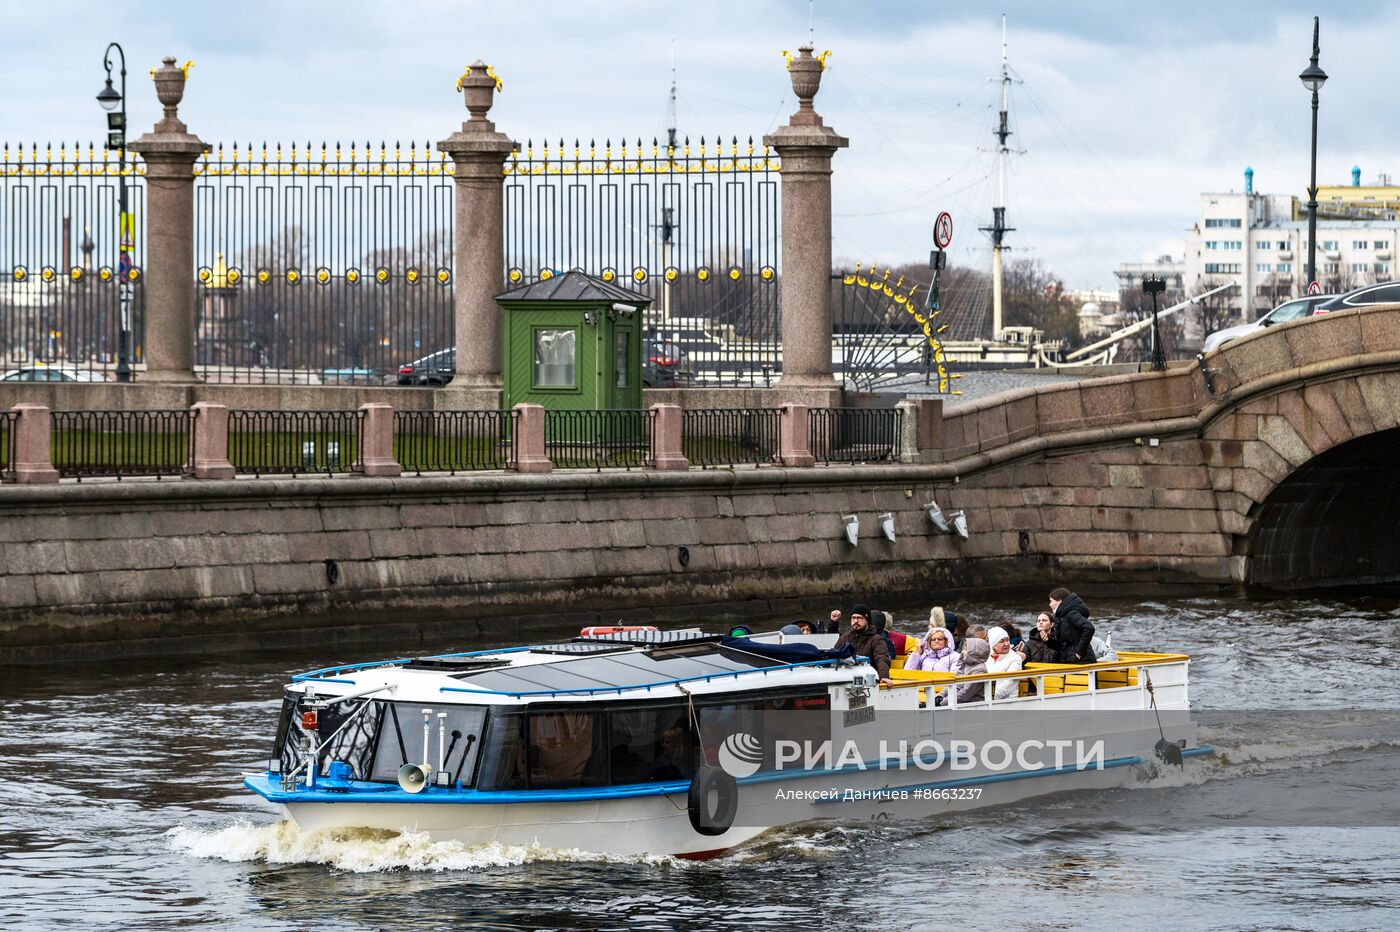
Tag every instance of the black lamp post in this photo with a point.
(111, 100)
(1153, 285)
(1313, 78)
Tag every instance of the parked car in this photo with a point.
(1289, 310)
(434, 369)
(1379, 293)
(665, 365)
(52, 374)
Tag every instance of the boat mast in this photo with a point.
(999, 229)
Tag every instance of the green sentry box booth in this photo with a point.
(573, 343)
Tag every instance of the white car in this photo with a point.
(52, 374)
(1290, 310)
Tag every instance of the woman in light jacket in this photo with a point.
(934, 652)
(1003, 660)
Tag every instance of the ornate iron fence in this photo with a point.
(122, 443)
(7, 444)
(595, 439)
(453, 441)
(295, 442)
(695, 228)
(854, 435)
(61, 272)
(321, 265)
(884, 332)
(731, 436)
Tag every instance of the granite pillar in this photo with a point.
(377, 441)
(478, 154)
(209, 458)
(169, 152)
(805, 147)
(667, 438)
(32, 427)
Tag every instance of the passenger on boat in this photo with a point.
(1002, 660)
(975, 654)
(806, 626)
(1041, 646)
(866, 641)
(1072, 627)
(791, 629)
(934, 652)
(880, 621)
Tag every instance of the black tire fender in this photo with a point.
(717, 786)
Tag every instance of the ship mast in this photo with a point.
(999, 229)
(668, 214)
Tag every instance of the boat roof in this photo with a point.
(631, 667)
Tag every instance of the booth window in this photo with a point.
(622, 346)
(555, 358)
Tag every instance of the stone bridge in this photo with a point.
(1270, 468)
(1269, 465)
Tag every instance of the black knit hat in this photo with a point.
(861, 609)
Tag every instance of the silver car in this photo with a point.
(1289, 310)
(52, 374)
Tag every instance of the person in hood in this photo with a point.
(1072, 627)
(866, 641)
(897, 640)
(975, 654)
(934, 652)
(1003, 660)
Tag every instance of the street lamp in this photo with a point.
(1153, 285)
(111, 99)
(1313, 78)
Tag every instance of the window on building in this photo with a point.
(1360, 244)
(1360, 267)
(1379, 244)
(1282, 244)
(1212, 244)
(1231, 222)
(1381, 268)
(1264, 267)
(1233, 244)
(1330, 245)
(1331, 268)
(1284, 267)
(1222, 268)
(1264, 244)
(555, 357)
(623, 345)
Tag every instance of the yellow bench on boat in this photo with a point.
(1056, 677)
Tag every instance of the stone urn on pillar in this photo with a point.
(478, 155)
(805, 147)
(169, 152)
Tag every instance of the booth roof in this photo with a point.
(574, 285)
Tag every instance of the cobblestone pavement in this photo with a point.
(977, 385)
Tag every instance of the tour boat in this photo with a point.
(632, 741)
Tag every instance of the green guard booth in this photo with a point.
(573, 342)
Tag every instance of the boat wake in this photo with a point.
(363, 850)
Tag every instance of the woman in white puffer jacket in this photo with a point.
(1003, 660)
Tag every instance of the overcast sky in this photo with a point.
(1126, 113)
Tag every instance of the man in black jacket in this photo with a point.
(1072, 628)
(866, 641)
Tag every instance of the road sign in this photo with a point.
(1314, 288)
(943, 230)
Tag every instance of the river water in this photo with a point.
(123, 808)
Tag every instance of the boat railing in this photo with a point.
(1130, 672)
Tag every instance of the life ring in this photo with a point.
(714, 800)
(596, 630)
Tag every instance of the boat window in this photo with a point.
(503, 758)
(801, 716)
(400, 741)
(353, 743)
(651, 744)
(565, 749)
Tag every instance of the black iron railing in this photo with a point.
(597, 439)
(7, 444)
(854, 435)
(121, 443)
(731, 436)
(295, 442)
(452, 441)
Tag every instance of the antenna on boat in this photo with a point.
(999, 229)
(442, 749)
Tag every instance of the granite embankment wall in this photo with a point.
(1200, 478)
